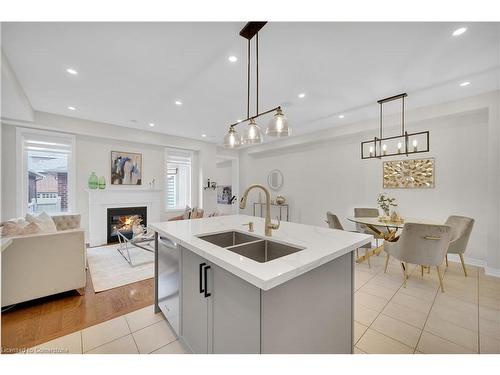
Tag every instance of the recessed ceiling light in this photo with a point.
(72, 71)
(232, 59)
(301, 95)
(204, 135)
(239, 120)
(466, 83)
(178, 102)
(151, 124)
(459, 31)
(71, 108)
(341, 116)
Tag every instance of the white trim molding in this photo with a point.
(489, 271)
(495, 272)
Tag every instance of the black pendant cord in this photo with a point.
(257, 73)
(248, 80)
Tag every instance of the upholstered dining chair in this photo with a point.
(334, 223)
(461, 228)
(422, 244)
(361, 228)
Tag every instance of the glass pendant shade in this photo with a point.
(252, 134)
(232, 139)
(278, 126)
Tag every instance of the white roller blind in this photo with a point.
(178, 179)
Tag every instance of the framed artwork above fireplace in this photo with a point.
(126, 168)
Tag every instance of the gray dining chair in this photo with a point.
(334, 223)
(421, 244)
(362, 228)
(461, 228)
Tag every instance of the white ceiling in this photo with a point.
(135, 71)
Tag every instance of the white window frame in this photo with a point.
(22, 168)
(181, 153)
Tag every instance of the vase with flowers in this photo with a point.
(385, 203)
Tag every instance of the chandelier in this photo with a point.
(252, 133)
(404, 144)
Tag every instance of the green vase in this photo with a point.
(102, 182)
(93, 181)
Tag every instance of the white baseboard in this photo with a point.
(495, 272)
(469, 261)
(489, 271)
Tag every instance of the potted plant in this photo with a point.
(385, 203)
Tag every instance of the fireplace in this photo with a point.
(120, 219)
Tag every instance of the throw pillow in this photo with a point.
(10, 228)
(31, 228)
(44, 221)
(13, 228)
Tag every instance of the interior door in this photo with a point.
(194, 304)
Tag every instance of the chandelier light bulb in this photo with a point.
(252, 134)
(232, 139)
(278, 126)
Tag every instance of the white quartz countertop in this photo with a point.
(322, 245)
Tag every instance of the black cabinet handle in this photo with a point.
(206, 282)
(201, 277)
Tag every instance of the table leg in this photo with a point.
(390, 235)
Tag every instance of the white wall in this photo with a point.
(326, 172)
(14, 102)
(93, 155)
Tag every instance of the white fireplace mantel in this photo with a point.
(101, 200)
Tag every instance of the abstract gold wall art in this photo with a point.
(409, 174)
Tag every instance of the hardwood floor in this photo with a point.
(34, 322)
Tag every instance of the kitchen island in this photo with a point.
(225, 289)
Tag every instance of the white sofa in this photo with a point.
(39, 265)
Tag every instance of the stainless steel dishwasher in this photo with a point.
(168, 281)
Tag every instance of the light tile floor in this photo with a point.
(389, 318)
(141, 331)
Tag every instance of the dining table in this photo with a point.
(386, 229)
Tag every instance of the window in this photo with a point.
(178, 179)
(45, 173)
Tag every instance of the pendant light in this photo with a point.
(278, 126)
(252, 134)
(232, 138)
(404, 144)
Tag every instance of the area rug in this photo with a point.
(109, 269)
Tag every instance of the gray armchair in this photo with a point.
(461, 228)
(334, 223)
(422, 244)
(367, 212)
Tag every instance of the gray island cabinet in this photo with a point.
(285, 305)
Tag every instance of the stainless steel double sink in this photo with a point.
(259, 249)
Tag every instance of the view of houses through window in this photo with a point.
(46, 172)
(47, 182)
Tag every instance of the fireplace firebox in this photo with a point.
(120, 220)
